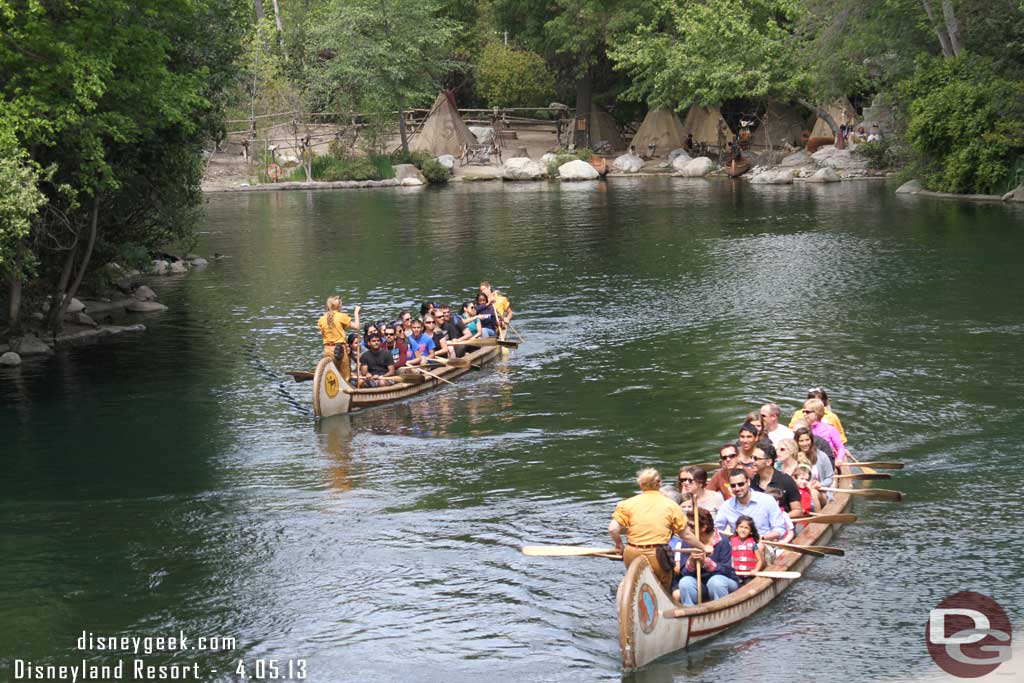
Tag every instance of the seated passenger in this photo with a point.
(692, 481)
(762, 508)
(728, 455)
(829, 417)
(747, 553)
(717, 575)
(430, 327)
(395, 344)
(814, 411)
(808, 454)
(354, 347)
(421, 345)
(455, 331)
(488, 318)
(767, 476)
(375, 363)
(810, 499)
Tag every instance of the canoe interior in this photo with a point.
(358, 399)
(651, 625)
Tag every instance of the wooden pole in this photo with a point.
(696, 531)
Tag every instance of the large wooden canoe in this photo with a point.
(333, 396)
(651, 625)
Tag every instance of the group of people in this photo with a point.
(771, 477)
(373, 358)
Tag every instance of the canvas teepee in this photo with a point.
(661, 127)
(444, 131)
(781, 124)
(842, 111)
(702, 123)
(603, 128)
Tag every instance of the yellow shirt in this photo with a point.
(649, 518)
(501, 304)
(830, 417)
(333, 325)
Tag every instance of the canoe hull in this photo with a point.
(651, 625)
(333, 396)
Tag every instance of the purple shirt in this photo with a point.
(830, 434)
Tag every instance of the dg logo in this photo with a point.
(968, 635)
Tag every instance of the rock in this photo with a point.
(547, 158)
(780, 177)
(447, 160)
(681, 161)
(695, 168)
(160, 266)
(483, 134)
(628, 163)
(796, 159)
(408, 175)
(30, 345)
(910, 187)
(577, 170)
(75, 306)
(199, 262)
(179, 267)
(144, 293)
(10, 359)
(1016, 195)
(824, 175)
(82, 319)
(523, 168)
(144, 307)
(678, 152)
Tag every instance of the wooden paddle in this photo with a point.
(300, 375)
(818, 518)
(428, 374)
(485, 341)
(696, 532)
(816, 550)
(578, 551)
(451, 362)
(516, 332)
(772, 575)
(877, 494)
(882, 465)
(865, 476)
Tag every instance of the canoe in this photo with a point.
(651, 625)
(737, 167)
(334, 396)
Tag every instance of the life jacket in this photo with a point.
(744, 555)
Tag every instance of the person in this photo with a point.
(454, 330)
(728, 455)
(376, 363)
(718, 578)
(501, 304)
(334, 324)
(822, 471)
(770, 424)
(747, 553)
(688, 143)
(368, 329)
(767, 476)
(692, 481)
(840, 141)
(747, 440)
(438, 335)
(395, 344)
(762, 508)
(421, 345)
(875, 135)
(354, 350)
(488, 318)
(405, 317)
(810, 500)
(649, 520)
(813, 411)
(471, 320)
(776, 495)
(830, 416)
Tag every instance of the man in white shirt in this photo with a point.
(770, 423)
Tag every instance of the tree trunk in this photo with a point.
(952, 27)
(280, 28)
(258, 4)
(822, 114)
(401, 129)
(585, 101)
(58, 312)
(53, 319)
(940, 31)
(14, 303)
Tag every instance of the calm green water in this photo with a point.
(174, 481)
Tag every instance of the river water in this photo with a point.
(177, 480)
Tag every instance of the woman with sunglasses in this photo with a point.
(691, 483)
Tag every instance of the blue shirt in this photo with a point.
(761, 507)
(420, 346)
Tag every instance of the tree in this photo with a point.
(509, 77)
(376, 56)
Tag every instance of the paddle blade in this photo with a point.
(879, 465)
(482, 341)
(777, 575)
(568, 551)
(865, 476)
(841, 518)
(876, 494)
(300, 375)
(803, 550)
(824, 549)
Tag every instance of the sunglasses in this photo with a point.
(729, 456)
(428, 322)
(806, 410)
(405, 320)
(746, 464)
(389, 334)
(761, 457)
(685, 481)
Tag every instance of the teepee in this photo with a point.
(444, 131)
(781, 124)
(702, 123)
(842, 111)
(603, 129)
(661, 127)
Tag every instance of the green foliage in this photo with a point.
(435, 172)
(329, 168)
(564, 156)
(417, 159)
(966, 124)
(133, 256)
(513, 78)
(20, 200)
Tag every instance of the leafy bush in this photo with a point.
(517, 78)
(329, 168)
(434, 172)
(884, 154)
(564, 156)
(133, 256)
(966, 123)
(417, 159)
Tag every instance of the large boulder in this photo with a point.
(677, 159)
(144, 293)
(198, 262)
(910, 187)
(10, 359)
(1015, 195)
(839, 159)
(447, 160)
(782, 176)
(31, 345)
(523, 168)
(695, 168)
(75, 306)
(179, 267)
(547, 158)
(577, 170)
(144, 307)
(678, 152)
(160, 266)
(796, 159)
(483, 134)
(824, 175)
(628, 163)
(408, 175)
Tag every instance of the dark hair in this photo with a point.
(704, 518)
(728, 445)
(351, 337)
(800, 432)
(700, 475)
(404, 312)
(374, 336)
(736, 471)
(818, 392)
(425, 307)
(775, 493)
(747, 427)
(367, 326)
(480, 294)
(753, 527)
(767, 447)
(467, 304)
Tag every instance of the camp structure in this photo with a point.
(443, 131)
(603, 129)
(661, 127)
(702, 123)
(842, 111)
(780, 125)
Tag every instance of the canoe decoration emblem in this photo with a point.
(331, 384)
(648, 609)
